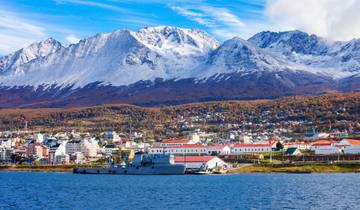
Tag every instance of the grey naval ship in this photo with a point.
(142, 164)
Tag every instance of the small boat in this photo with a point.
(220, 171)
(143, 164)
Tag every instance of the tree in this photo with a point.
(279, 146)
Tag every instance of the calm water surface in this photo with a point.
(27, 190)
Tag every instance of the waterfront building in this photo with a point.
(191, 149)
(349, 146)
(89, 147)
(5, 154)
(240, 149)
(325, 147)
(72, 147)
(196, 162)
(58, 154)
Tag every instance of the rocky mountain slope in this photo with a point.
(169, 65)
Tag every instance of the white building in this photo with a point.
(58, 154)
(325, 147)
(240, 149)
(111, 137)
(5, 153)
(327, 150)
(196, 162)
(245, 139)
(88, 147)
(191, 149)
(349, 146)
(73, 146)
(39, 138)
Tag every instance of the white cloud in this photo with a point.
(335, 19)
(220, 22)
(17, 32)
(198, 17)
(72, 39)
(93, 4)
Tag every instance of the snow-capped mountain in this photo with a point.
(12, 64)
(158, 65)
(119, 58)
(315, 54)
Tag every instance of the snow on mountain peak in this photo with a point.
(178, 40)
(293, 42)
(240, 54)
(12, 62)
(124, 57)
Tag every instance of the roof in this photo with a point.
(290, 151)
(323, 142)
(251, 145)
(352, 142)
(175, 141)
(186, 146)
(187, 159)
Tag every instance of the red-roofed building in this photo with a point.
(350, 146)
(191, 149)
(325, 147)
(239, 149)
(204, 162)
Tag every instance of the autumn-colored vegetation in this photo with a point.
(334, 110)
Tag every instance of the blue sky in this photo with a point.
(26, 21)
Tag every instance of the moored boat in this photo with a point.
(143, 164)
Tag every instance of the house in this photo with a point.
(292, 151)
(5, 154)
(197, 162)
(111, 136)
(325, 147)
(218, 150)
(39, 138)
(57, 154)
(349, 146)
(37, 150)
(89, 147)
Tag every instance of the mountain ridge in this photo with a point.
(167, 64)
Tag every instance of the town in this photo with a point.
(290, 130)
(196, 149)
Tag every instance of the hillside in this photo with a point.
(297, 114)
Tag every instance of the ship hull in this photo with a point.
(140, 170)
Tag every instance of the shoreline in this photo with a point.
(248, 168)
(55, 168)
(314, 168)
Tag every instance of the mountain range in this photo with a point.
(169, 65)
